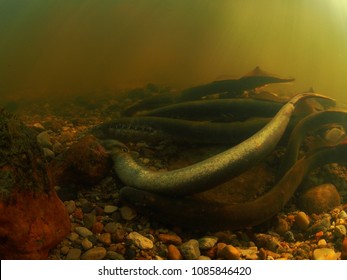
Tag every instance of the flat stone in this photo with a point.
(83, 231)
(190, 249)
(170, 238)
(140, 241)
(96, 253)
(109, 209)
(324, 254)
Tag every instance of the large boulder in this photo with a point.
(33, 219)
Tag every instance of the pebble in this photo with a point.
(190, 249)
(89, 220)
(97, 227)
(170, 238)
(111, 255)
(342, 215)
(229, 252)
(250, 253)
(127, 213)
(64, 250)
(302, 221)
(70, 206)
(140, 241)
(203, 258)
(74, 254)
(112, 227)
(324, 254)
(322, 243)
(173, 253)
(73, 236)
(96, 253)
(109, 209)
(86, 244)
(83, 231)
(105, 238)
(48, 153)
(207, 242)
(340, 231)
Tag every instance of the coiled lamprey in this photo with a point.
(209, 172)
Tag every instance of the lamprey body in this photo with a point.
(211, 215)
(218, 109)
(300, 131)
(212, 171)
(157, 129)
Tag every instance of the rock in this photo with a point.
(89, 220)
(250, 253)
(83, 231)
(229, 252)
(340, 231)
(170, 238)
(342, 215)
(97, 227)
(86, 244)
(84, 163)
(190, 249)
(324, 254)
(127, 213)
(73, 254)
(96, 253)
(173, 253)
(70, 206)
(140, 241)
(322, 243)
(112, 227)
(73, 236)
(319, 199)
(282, 226)
(109, 209)
(44, 140)
(322, 225)
(207, 242)
(33, 219)
(64, 250)
(203, 258)
(47, 153)
(105, 238)
(302, 221)
(111, 255)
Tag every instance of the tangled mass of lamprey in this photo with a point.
(227, 112)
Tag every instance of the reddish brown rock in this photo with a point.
(84, 163)
(31, 224)
(32, 218)
(344, 249)
(319, 199)
(173, 253)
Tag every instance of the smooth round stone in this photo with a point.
(127, 213)
(96, 253)
(83, 231)
(86, 244)
(319, 199)
(322, 243)
(64, 250)
(89, 220)
(74, 254)
(109, 209)
(342, 215)
(302, 221)
(44, 139)
(190, 249)
(229, 252)
(140, 241)
(203, 258)
(73, 236)
(173, 253)
(207, 242)
(324, 254)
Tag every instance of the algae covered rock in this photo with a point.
(32, 218)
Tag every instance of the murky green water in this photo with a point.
(51, 47)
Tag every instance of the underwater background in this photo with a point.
(51, 47)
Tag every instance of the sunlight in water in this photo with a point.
(80, 46)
